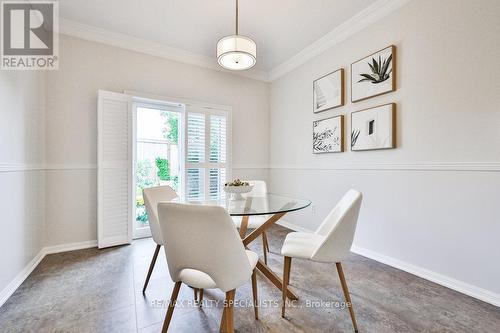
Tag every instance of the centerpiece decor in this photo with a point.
(236, 188)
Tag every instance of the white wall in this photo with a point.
(416, 209)
(71, 122)
(22, 96)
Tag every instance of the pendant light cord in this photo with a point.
(237, 17)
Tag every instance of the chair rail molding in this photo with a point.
(416, 166)
(21, 167)
(50, 167)
(250, 166)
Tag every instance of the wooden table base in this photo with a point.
(261, 266)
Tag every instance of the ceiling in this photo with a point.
(281, 28)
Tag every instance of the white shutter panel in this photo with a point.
(207, 149)
(196, 137)
(218, 138)
(218, 155)
(115, 173)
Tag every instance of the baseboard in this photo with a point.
(70, 247)
(19, 279)
(460, 286)
(292, 226)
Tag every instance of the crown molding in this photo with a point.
(103, 36)
(358, 22)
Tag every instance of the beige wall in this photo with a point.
(448, 115)
(22, 108)
(71, 122)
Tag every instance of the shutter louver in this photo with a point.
(195, 184)
(196, 138)
(217, 181)
(218, 145)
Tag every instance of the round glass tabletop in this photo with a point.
(256, 204)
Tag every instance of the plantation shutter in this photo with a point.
(114, 169)
(208, 148)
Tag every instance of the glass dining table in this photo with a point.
(272, 206)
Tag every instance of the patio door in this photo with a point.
(158, 154)
(146, 142)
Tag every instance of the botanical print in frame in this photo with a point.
(328, 135)
(374, 75)
(328, 91)
(374, 128)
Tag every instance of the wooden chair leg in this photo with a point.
(346, 295)
(264, 249)
(171, 306)
(195, 294)
(229, 311)
(201, 298)
(151, 266)
(286, 279)
(264, 235)
(255, 297)
(223, 322)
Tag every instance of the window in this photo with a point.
(207, 150)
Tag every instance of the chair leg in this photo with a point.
(286, 279)
(171, 306)
(228, 311)
(195, 294)
(264, 248)
(223, 322)
(346, 295)
(201, 298)
(151, 266)
(264, 235)
(255, 297)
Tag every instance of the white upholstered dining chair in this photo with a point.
(259, 188)
(152, 196)
(330, 243)
(205, 251)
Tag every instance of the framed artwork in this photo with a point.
(374, 128)
(374, 75)
(328, 135)
(328, 91)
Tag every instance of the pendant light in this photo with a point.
(236, 52)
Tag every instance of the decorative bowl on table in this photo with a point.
(236, 188)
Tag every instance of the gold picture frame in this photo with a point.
(368, 78)
(324, 143)
(332, 101)
(374, 128)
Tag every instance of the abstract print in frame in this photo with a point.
(328, 135)
(374, 75)
(328, 91)
(374, 128)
